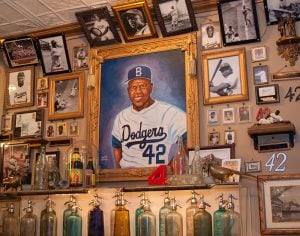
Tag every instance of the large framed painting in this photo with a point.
(151, 93)
(238, 20)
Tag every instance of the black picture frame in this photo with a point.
(54, 54)
(233, 27)
(185, 22)
(20, 51)
(266, 94)
(276, 9)
(90, 22)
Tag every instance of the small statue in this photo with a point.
(13, 182)
(272, 118)
(291, 26)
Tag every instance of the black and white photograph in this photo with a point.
(98, 27)
(212, 117)
(42, 99)
(267, 94)
(244, 114)
(61, 129)
(229, 136)
(213, 138)
(280, 9)
(6, 125)
(259, 54)
(54, 54)
(80, 58)
(238, 20)
(261, 74)
(211, 37)
(228, 115)
(42, 83)
(175, 17)
(73, 128)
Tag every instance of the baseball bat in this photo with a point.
(216, 70)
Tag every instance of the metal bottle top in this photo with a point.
(11, 208)
(193, 199)
(222, 203)
(147, 205)
(75, 208)
(203, 204)
(174, 204)
(167, 198)
(28, 208)
(143, 199)
(95, 202)
(230, 204)
(71, 202)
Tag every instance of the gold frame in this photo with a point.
(79, 113)
(240, 52)
(186, 43)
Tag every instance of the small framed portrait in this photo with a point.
(261, 74)
(229, 136)
(80, 58)
(98, 27)
(213, 138)
(244, 114)
(19, 87)
(50, 131)
(238, 20)
(212, 117)
(20, 52)
(259, 54)
(175, 17)
(61, 129)
(135, 21)
(6, 123)
(42, 83)
(73, 128)
(267, 94)
(233, 164)
(42, 99)
(252, 166)
(228, 115)
(210, 37)
(54, 54)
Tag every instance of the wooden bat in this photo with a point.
(216, 70)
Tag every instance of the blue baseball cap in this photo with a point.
(139, 72)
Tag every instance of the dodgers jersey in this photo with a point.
(146, 136)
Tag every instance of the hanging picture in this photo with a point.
(228, 115)
(80, 58)
(212, 117)
(210, 37)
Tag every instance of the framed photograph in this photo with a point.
(6, 123)
(261, 74)
(224, 76)
(259, 54)
(19, 87)
(212, 117)
(238, 20)
(232, 164)
(252, 166)
(220, 152)
(98, 26)
(54, 54)
(80, 58)
(20, 52)
(28, 124)
(286, 75)
(267, 94)
(213, 138)
(175, 17)
(229, 136)
(279, 203)
(244, 114)
(228, 115)
(61, 129)
(73, 128)
(50, 131)
(211, 36)
(135, 21)
(42, 83)
(42, 99)
(277, 9)
(66, 96)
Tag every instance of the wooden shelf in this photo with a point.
(43, 192)
(166, 187)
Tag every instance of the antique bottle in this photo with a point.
(231, 220)
(95, 218)
(113, 212)
(48, 224)
(67, 212)
(75, 169)
(90, 175)
(11, 222)
(139, 211)
(29, 221)
(218, 215)
(74, 222)
(197, 165)
(122, 223)
(53, 174)
(190, 212)
(147, 221)
(174, 222)
(163, 211)
(41, 171)
(180, 159)
(202, 220)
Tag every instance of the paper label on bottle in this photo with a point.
(76, 176)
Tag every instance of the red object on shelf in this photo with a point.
(159, 176)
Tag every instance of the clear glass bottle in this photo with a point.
(74, 222)
(90, 175)
(163, 211)
(218, 216)
(75, 169)
(174, 223)
(29, 221)
(41, 171)
(11, 222)
(190, 212)
(147, 221)
(53, 174)
(231, 220)
(202, 220)
(95, 218)
(197, 164)
(48, 224)
(67, 212)
(122, 219)
(180, 159)
(139, 211)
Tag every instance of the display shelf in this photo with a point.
(166, 187)
(43, 192)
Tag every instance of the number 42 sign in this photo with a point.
(276, 162)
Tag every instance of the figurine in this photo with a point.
(272, 118)
(13, 182)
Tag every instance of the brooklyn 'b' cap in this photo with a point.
(139, 72)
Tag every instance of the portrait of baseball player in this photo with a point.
(144, 107)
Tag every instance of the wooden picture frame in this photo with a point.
(261, 74)
(20, 52)
(259, 54)
(175, 17)
(42, 99)
(212, 65)
(98, 27)
(158, 47)
(252, 166)
(238, 20)
(6, 123)
(80, 58)
(211, 36)
(54, 54)
(42, 83)
(278, 200)
(66, 96)
(276, 9)
(19, 87)
(244, 114)
(228, 115)
(135, 21)
(266, 94)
